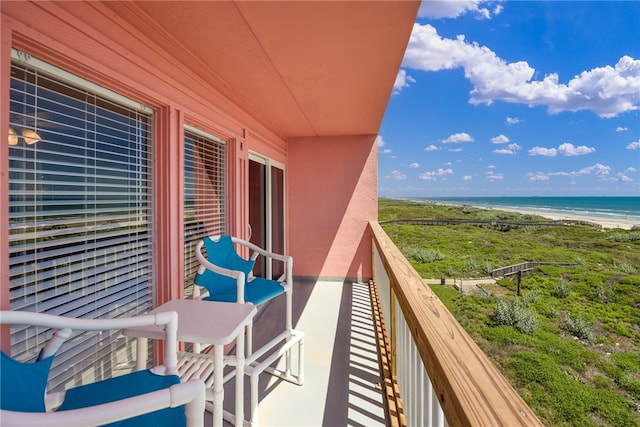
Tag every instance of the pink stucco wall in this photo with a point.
(332, 193)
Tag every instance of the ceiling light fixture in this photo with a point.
(30, 136)
(13, 137)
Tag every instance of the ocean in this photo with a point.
(614, 208)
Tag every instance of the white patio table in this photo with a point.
(206, 322)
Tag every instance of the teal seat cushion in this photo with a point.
(257, 291)
(222, 254)
(23, 385)
(122, 387)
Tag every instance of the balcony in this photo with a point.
(429, 361)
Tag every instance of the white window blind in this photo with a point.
(80, 212)
(205, 201)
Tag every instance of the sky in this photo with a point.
(516, 98)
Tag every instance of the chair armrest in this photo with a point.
(255, 249)
(191, 394)
(169, 319)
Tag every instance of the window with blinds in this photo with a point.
(205, 201)
(80, 212)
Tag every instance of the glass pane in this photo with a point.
(277, 218)
(205, 201)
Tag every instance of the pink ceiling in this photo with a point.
(302, 68)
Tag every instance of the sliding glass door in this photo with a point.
(267, 211)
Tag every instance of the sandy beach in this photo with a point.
(605, 222)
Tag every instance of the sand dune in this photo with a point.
(605, 222)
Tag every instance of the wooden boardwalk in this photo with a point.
(525, 266)
(491, 222)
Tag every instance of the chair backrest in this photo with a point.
(221, 254)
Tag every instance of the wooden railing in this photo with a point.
(443, 376)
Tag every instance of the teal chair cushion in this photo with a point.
(23, 385)
(257, 291)
(222, 254)
(122, 387)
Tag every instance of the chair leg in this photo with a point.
(301, 360)
(254, 378)
(249, 339)
(240, 368)
(287, 356)
(218, 390)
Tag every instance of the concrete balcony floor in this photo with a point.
(342, 374)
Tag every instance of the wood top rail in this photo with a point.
(471, 390)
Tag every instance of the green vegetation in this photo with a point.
(570, 343)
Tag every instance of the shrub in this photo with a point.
(626, 267)
(513, 314)
(423, 255)
(625, 237)
(562, 289)
(487, 268)
(578, 327)
(529, 298)
(470, 264)
(603, 294)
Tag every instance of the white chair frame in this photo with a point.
(191, 393)
(256, 363)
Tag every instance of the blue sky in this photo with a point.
(516, 98)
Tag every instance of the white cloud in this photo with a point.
(607, 91)
(599, 170)
(512, 121)
(379, 141)
(455, 150)
(621, 129)
(634, 145)
(622, 177)
(386, 151)
(402, 80)
(541, 151)
(431, 148)
(397, 175)
(500, 139)
(537, 176)
(467, 178)
(414, 165)
(454, 8)
(491, 167)
(494, 176)
(565, 149)
(433, 175)
(458, 137)
(568, 149)
(630, 169)
(511, 149)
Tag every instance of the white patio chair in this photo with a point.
(147, 397)
(229, 277)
